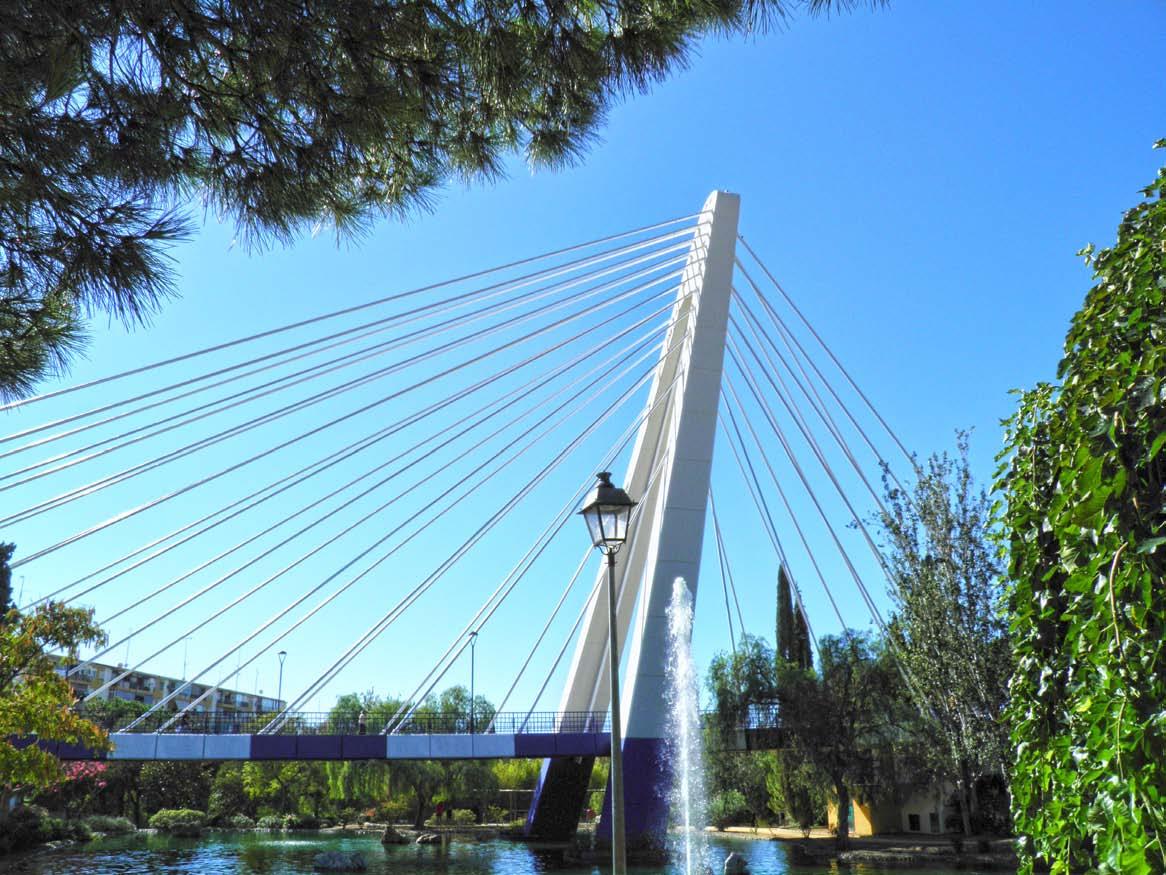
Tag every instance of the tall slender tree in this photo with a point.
(948, 630)
(785, 634)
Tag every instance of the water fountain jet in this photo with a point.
(688, 800)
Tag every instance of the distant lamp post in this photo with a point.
(279, 693)
(607, 511)
(473, 644)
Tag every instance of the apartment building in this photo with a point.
(151, 688)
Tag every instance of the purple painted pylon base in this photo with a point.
(647, 779)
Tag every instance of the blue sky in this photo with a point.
(919, 178)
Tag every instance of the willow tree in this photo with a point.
(1083, 476)
(282, 115)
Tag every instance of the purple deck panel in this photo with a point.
(366, 747)
(315, 747)
(274, 747)
(363, 747)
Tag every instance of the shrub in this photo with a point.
(300, 821)
(464, 817)
(240, 821)
(728, 808)
(270, 821)
(178, 821)
(393, 812)
(496, 814)
(110, 825)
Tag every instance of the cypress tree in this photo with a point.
(803, 648)
(785, 633)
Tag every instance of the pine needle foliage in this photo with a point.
(281, 116)
(1083, 476)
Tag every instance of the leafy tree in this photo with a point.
(34, 699)
(176, 784)
(739, 680)
(294, 787)
(229, 796)
(1082, 475)
(950, 637)
(842, 718)
(796, 790)
(281, 116)
(425, 779)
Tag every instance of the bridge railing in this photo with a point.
(328, 723)
(763, 716)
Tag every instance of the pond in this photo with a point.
(285, 854)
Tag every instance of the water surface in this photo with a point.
(292, 854)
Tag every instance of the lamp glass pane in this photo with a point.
(591, 515)
(614, 522)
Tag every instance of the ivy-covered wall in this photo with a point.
(1082, 476)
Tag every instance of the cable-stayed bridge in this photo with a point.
(361, 481)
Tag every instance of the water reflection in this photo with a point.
(280, 854)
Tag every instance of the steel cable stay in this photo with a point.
(450, 438)
(773, 376)
(845, 373)
(563, 597)
(511, 580)
(815, 449)
(805, 481)
(295, 478)
(311, 613)
(263, 584)
(282, 445)
(596, 588)
(120, 477)
(753, 483)
(773, 371)
(316, 371)
(12, 405)
(920, 700)
(373, 634)
(729, 401)
(658, 449)
(798, 354)
(314, 347)
(483, 414)
(374, 631)
(723, 563)
(515, 454)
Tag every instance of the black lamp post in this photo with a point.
(607, 512)
(279, 692)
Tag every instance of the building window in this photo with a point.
(933, 821)
(913, 822)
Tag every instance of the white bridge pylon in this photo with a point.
(665, 541)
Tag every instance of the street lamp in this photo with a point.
(279, 693)
(607, 512)
(473, 643)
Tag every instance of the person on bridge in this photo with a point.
(362, 724)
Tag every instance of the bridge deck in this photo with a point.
(442, 746)
(225, 736)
